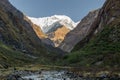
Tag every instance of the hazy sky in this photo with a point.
(76, 9)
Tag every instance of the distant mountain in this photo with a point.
(49, 24)
(55, 28)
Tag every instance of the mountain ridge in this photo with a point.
(47, 23)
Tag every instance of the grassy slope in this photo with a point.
(102, 50)
(14, 33)
(9, 57)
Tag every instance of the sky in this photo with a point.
(75, 9)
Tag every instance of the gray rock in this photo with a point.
(80, 32)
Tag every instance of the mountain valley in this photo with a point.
(91, 44)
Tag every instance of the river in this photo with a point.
(59, 75)
(48, 75)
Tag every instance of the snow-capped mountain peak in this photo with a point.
(47, 24)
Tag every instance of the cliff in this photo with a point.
(80, 32)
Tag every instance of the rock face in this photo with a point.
(109, 14)
(80, 32)
(108, 17)
(58, 36)
(38, 31)
(92, 24)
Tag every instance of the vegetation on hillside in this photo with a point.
(10, 57)
(102, 50)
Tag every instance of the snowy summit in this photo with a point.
(47, 24)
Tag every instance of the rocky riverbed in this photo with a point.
(58, 75)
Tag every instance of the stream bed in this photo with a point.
(58, 75)
(48, 75)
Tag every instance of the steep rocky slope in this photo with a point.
(17, 36)
(53, 38)
(80, 32)
(102, 45)
(108, 16)
(15, 30)
(58, 35)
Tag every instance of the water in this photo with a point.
(59, 75)
(48, 75)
